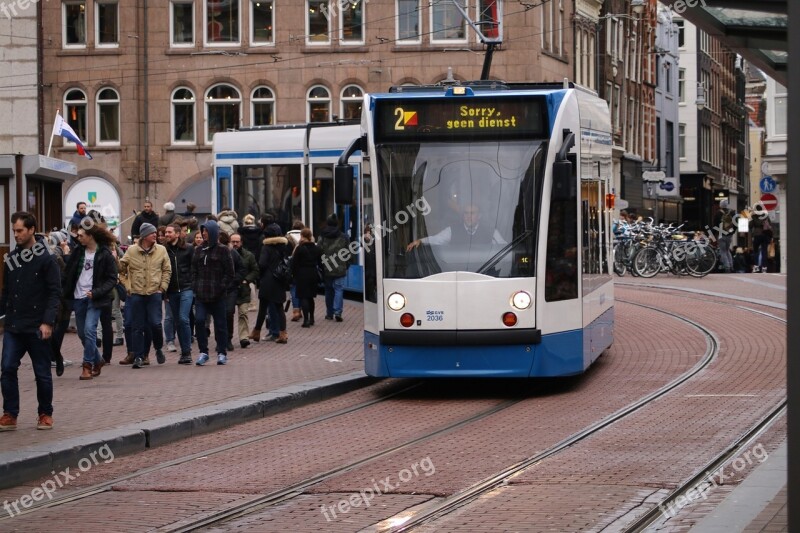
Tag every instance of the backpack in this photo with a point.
(283, 272)
(727, 221)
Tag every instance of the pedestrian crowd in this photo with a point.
(163, 293)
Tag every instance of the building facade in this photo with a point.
(148, 94)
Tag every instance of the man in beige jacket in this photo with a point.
(145, 271)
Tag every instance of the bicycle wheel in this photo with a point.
(647, 262)
(701, 261)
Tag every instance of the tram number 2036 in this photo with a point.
(434, 316)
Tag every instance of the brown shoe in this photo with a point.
(128, 360)
(283, 338)
(255, 335)
(45, 422)
(96, 369)
(8, 422)
(146, 360)
(87, 371)
(296, 315)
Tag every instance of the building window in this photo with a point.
(262, 105)
(781, 109)
(182, 116)
(351, 30)
(182, 23)
(318, 22)
(447, 23)
(682, 141)
(107, 24)
(679, 24)
(222, 22)
(262, 16)
(668, 77)
(75, 112)
(223, 110)
(552, 26)
(682, 85)
(408, 21)
(617, 103)
(107, 116)
(74, 21)
(352, 98)
(669, 146)
(319, 104)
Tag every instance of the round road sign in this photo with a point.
(769, 201)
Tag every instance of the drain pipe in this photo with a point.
(146, 110)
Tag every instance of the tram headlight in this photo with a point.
(521, 300)
(396, 301)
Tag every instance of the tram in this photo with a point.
(287, 171)
(488, 250)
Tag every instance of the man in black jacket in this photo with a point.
(147, 215)
(179, 292)
(29, 300)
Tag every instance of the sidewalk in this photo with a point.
(134, 409)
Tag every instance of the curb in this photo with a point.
(21, 466)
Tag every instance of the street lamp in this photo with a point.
(700, 102)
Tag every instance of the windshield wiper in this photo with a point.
(492, 262)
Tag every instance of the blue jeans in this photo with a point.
(146, 314)
(180, 304)
(14, 347)
(217, 311)
(334, 296)
(277, 318)
(86, 318)
(169, 323)
(724, 245)
(295, 299)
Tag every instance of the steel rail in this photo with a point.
(435, 510)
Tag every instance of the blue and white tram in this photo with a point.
(492, 241)
(287, 171)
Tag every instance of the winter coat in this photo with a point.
(166, 219)
(251, 275)
(141, 218)
(332, 241)
(251, 239)
(145, 273)
(104, 276)
(31, 289)
(305, 264)
(228, 221)
(273, 252)
(76, 218)
(239, 272)
(180, 259)
(212, 267)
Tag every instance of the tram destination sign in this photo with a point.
(452, 119)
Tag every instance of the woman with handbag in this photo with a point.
(306, 262)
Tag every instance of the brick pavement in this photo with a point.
(122, 396)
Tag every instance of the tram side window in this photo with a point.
(561, 270)
(273, 189)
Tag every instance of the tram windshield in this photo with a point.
(451, 207)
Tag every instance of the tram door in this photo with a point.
(322, 200)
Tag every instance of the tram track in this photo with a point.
(87, 492)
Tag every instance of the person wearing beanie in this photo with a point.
(334, 270)
(145, 271)
(212, 275)
(251, 235)
(169, 215)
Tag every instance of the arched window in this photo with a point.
(319, 104)
(75, 112)
(223, 110)
(107, 116)
(352, 98)
(182, 116)
(262, 107)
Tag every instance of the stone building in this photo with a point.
(147, 88)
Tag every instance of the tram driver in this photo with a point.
(470, 231)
